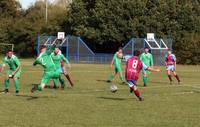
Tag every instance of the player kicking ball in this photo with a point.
(170, 62)
(117, 60)
(13, 72)
(50, 71)
(133, 67)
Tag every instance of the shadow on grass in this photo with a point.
(159, 82)
(112, 98)
(102, 80)
(29, 97)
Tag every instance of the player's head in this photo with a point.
(146, 50)
(120, 50)
(137, 52)
(169, 51)
(56, 50)
(9, 53)
(43, 48)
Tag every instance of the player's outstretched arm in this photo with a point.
(35, 62)
(153, 69)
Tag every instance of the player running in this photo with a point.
(133, 67)
(59, 60)
(147, 59)
(117, 59)
(170, 62)
(13, 72)
(50, 71)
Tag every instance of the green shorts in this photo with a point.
(118, 69)
(49, 75)
(17, 74)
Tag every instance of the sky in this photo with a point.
(26, 3)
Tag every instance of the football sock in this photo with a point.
(137, 93)
(145, 80)
(170, 78)
(122, 78)
(56, 84)
(39, 88)
(62, 81)
(177, 77)
(7, 84)
(69, 79)
(16, 83)
(111, 77)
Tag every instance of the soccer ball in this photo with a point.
(113, 88)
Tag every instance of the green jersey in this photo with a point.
(12, 62)
(117, 60)
(147, 59)
(57, 58)
(46, 60)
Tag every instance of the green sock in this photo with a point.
(7, 84)
(62, 81)
(39, 88)
(56, 84)
(145, 79)
(16, 83)
(122, 78)
(111, 77)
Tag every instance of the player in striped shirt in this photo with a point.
(170, 62)
(133, 67)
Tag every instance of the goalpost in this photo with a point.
(6, 46)
(158, 47)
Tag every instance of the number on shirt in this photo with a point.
(42, 61)
(134, 64)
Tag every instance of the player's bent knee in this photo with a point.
(42, 86)
(134, 88)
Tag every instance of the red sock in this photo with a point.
(170, 78)
(137, 93)
(177, 78)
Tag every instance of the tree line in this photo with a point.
(105, 24)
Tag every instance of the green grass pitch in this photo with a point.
(91, 104)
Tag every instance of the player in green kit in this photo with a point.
(117, 60)
(57, 56)
(50, 71)
(147, 59)
(13, 72)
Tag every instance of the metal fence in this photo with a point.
(139, 43)
(78, 52)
